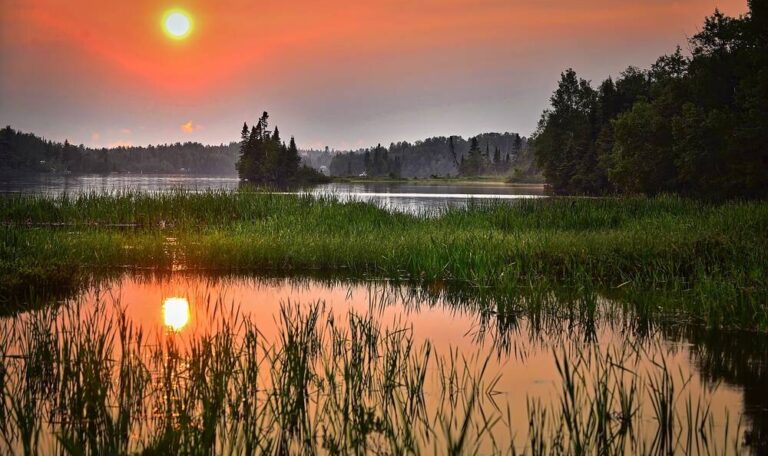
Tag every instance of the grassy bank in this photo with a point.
(664, 254)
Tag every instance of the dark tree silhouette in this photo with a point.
(266, 160)
(693, 125)
(25, 152)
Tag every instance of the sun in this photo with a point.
(177, 24)
(176, 313)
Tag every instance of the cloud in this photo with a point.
(125, 131)
(190, 127)
(95, 137)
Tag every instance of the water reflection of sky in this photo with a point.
(522, 353)
(398, 196)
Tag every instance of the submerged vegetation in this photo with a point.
(662, 255)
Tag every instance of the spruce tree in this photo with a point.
(292, 160)
(266, 159)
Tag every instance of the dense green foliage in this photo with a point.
(693, 125)
(664, 254)
(266, 160)
(486, 154)
(25, 152)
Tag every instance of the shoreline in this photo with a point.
(697, 259)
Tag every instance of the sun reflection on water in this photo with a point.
(176, 313)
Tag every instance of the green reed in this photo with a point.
(706, 260)
(79, 380)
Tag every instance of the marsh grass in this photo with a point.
(663, 255)
(87, 380)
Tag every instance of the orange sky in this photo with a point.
(332, 72)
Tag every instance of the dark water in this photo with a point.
(406, 197)
(725, 373)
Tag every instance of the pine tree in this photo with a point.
(265, 158)
(243, 166)
(292, 160)
(473, 163)
(244, 134)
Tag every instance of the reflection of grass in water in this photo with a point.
(666, 253)
(99, 385)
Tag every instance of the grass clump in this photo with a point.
(704, 259)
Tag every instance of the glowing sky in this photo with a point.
(342, 73)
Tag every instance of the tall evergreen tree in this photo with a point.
(265, 159)
(473, 164)
(292, 161)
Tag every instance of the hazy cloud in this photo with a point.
(190, 127)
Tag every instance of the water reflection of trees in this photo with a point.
(736, 358)
(518, 324)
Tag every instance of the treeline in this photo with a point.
(694, 125)
(265, 159)
(486, 154)
(26, 152)
(318, 159)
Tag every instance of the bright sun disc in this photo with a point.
(176, 313)
(177, 24)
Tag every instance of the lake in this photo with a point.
(400, 196)
(183, 357)
(509, 372)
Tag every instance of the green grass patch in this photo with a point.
(664, 254)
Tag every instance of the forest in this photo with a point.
(694, 125)
(485, 154)
(261, 157)
(26, 152)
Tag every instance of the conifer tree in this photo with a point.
(266, 159)
(292, 160)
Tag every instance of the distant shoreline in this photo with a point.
(485, 181)
(489, 181)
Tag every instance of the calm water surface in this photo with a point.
(407, 197)
(726, 372)
(723, 375)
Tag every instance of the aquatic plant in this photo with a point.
(663, 256)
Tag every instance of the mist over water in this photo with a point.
(397, 196)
